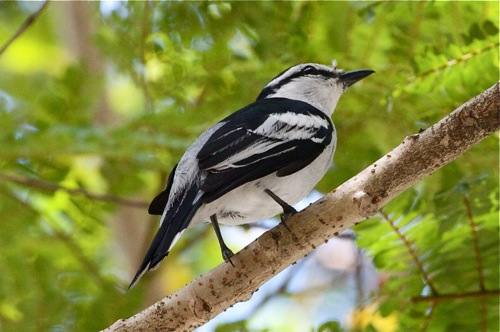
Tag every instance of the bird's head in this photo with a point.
(316, 84)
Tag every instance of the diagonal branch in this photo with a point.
(463, 58)
(412, 251)
(479, 260)
(357, 199)
(475, 241)
(52, 187)
(482, 294)
(29, 21)
(429, 312)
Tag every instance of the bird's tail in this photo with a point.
(173, 223)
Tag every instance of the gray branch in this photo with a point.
(416, 157)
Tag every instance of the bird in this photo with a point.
(257, 162)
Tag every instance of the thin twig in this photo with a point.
(479, 260)
(428, 316)
(411, 250)
(452, 62)
(477, 251)
(29, 21)
(457, 296)
(52, 187)
(145, 33)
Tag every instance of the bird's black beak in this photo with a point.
(351, 77)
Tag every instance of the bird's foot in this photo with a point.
(288, 210)
(227, 254)
(287, 215)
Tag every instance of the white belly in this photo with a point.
(249, 203)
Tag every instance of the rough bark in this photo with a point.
(357, 199)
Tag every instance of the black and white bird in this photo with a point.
(255, 163)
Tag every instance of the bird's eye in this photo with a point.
(310, 70)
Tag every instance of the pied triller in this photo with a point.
(255, 163)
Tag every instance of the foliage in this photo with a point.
(93, 115)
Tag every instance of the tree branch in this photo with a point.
(479, 261)
(29, 21)
(481, 294)
(462, 58)
(357, 199)
(412, 251)
(52, 187)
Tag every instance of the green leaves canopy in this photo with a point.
(94, 113)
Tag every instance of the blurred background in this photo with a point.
(98, 101)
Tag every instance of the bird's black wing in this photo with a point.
(275, 135)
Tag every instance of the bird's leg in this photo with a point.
(288, 210)
(226, 252)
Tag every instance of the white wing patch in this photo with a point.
(277, 129)
(257, 147)
(290, 126)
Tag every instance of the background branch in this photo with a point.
(479, 261)
(357, 199)
(482, 294)
(412, 251)
(52, 187)
(26, 24)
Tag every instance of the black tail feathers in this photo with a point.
(172, 226)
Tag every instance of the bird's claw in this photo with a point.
(227, 254)
(287, 215)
